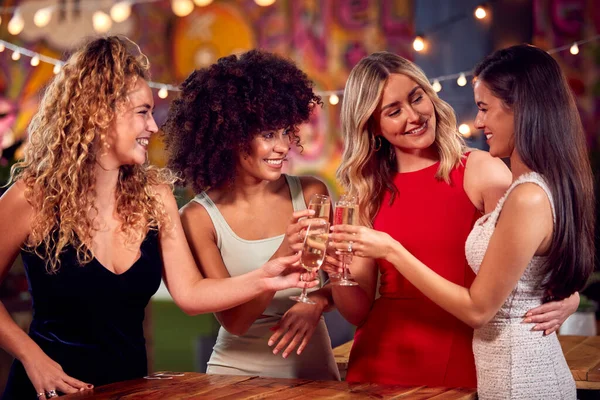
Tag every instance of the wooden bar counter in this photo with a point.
(201, 386)
(581, 352)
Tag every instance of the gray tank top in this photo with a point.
(241, 256)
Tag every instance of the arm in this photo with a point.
(486, 180)
(196, 295)
(44, 373)
(524, 229)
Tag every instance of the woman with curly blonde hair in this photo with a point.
(416, 181)
(97, 227)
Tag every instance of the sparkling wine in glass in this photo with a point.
(346, 213)
(313, 254)
(321, 204)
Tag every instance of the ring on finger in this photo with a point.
(41, 394)
(51, 393)
(350, 247)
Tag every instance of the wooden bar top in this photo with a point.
(195, 386)
(581, 352)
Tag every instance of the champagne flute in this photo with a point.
(321, 204)
(313, 254)
(346, 213)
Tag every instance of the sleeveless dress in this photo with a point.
(407, 339)
(514, 362)
(88, 319)
(249, 354)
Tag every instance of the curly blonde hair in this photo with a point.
(65, 138)
(365, 172)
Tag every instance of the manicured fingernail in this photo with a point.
(528, 314)
(535, 328)
(527, 320)
(275, 351)
(285, 355)
(270, 343)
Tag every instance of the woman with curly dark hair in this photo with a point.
(228, 135)
(97, 228)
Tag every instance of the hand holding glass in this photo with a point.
(313, 254)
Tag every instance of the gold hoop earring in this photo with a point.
(376, 143)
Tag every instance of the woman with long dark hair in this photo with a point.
(537, 241)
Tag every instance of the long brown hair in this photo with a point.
(550, 140)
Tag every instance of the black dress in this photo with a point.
(88, 319)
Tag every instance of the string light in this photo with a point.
(574, 49)
(464, 130)
(120, 11)
(42, 17)
(163, 92)
(418, 44)
(35, 61)
(182, 8)
(16, 23)
(265, 3)
(16, 55)
(480, 12)
(101, 21)
(436, 82)
(202, 3)
(334, 99)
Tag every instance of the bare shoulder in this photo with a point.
(530, 199)
(312, 185)
(196, 220)
(482, 165)
(14, 200)
(164, 192)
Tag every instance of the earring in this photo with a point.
(376, 143)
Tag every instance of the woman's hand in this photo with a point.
(361, 241)
(550, 316)
(47, 376)
(285, 272)
(296, 230)
(295, 328)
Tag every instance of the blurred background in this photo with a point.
(326, 38)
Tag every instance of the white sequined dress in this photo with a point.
(514, 362)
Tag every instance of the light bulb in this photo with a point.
(16, 55)
(480, 13)
(56, 69)
(334, 99)
(35, 61)
(2, 47)
(163, 92)
(574, 49)
(264, 3)
(437, 86)
(16, 23)
(418, 43)
(120, 11)
(462, 79)
(202, 3)
(42, 17)
(464, 130)
(101, 21)
(181, 8)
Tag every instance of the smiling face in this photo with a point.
(268, 151)
(132, 128)
(496, 120)
(405, 115)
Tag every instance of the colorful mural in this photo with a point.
(325, 37)
(559, 23)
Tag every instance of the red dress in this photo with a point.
(406, 338)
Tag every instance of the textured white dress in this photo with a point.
(512, 361)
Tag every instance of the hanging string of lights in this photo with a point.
(121, 10)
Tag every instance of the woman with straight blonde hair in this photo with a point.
(416, 181)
